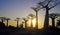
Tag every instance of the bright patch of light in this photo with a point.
(34, 22)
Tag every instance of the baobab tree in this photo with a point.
(25, 21)
(48, 5)
(17, 19)
(58, 23)
(21, 25)
(53, 16)
(2, 19)
(7, 19)
(36, 9)
(31, 16)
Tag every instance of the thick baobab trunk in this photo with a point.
(7, 23)
(46, 23)
(2, 20)
(53, 22)
(17, 24)
(31, 24)
(25, 24)
(36, 20)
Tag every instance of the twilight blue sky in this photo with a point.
(16, 8)
(21, 8)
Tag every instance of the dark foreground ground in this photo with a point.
(19, 31)
(10, 30)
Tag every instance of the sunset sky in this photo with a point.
(21, 8)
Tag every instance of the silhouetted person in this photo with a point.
(2, 25)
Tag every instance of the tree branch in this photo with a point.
(34, 8)
(54, 5)
(49, 2)
(41, 3)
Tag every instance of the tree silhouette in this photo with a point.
(2, 19)
(48, 5)
(17, 19)
(21, 25)
(25, 20)
(31, 16)
(7, 19)
(36, 10)
(58, 23)
(53, 16)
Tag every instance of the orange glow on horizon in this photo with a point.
(13, 23)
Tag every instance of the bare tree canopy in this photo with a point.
(50, 3)
(54, 15)
(47, 4)
(31, 16)
(17, 19)
(7, 19)
(2, 17)
(35, 9)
